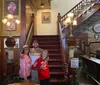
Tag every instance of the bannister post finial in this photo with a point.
(59, 17)
(32, 17)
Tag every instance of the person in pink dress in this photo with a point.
(25, 64)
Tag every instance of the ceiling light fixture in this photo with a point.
(42, 5)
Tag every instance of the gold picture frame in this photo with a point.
(46, 17)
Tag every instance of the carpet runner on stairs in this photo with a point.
(52, 44)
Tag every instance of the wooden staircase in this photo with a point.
(52, 44)
(83, 10)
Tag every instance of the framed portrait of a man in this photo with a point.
(46, 17)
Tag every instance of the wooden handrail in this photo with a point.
(71, 9)
(30, 31)
(75, 8)
(65, 65)
(29, 34)
(82, 16)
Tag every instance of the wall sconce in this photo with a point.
(10, 21)
(71, 21)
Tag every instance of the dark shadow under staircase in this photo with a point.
(52, 44)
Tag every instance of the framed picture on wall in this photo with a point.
(46, 17)
(11, 7)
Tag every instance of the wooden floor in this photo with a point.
(24, 83)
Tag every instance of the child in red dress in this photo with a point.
(41, 65)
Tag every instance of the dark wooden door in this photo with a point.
(3, 60)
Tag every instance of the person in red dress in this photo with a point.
(41, 65)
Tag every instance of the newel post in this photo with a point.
(32, 17)
(58, 21)
(59, 17)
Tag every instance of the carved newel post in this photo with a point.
(71, 42)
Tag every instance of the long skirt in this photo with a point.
(34, 77)
(34, 74)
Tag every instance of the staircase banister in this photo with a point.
(71, 9)
(29, 33)
(65, 65)
(81, 18)
(30, 29)
(75, 7)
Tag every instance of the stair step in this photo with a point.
(41, 36)
(55, 59)
(57, 80)
(57, 76)
(49, 42)
(54, 63)
(56, 69)
(45, 38)
(55, 56)
(49, 46)
(52, 42)
(56, 73)
(54, 51)
(55, 66)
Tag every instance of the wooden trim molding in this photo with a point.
(49, 1)
(23, 23)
